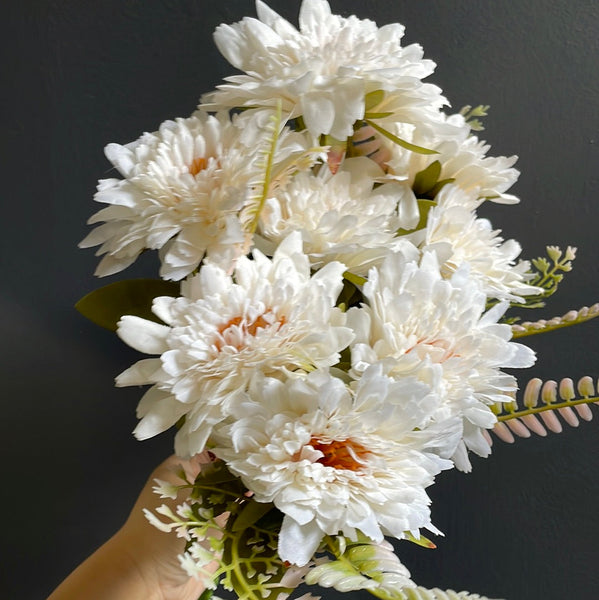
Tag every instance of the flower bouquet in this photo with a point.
(333, 317)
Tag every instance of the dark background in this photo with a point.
(81, 73)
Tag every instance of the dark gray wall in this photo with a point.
(82, 73)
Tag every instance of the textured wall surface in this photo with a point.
(81, 73)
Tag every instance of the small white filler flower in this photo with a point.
(271, 316)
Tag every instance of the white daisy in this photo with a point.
(459, 237)
(340, 217)
(323, 71)
(416, 317)
(182, 191)
(270, 317)
(336, 460)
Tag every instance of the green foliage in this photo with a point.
(106, 305)
(399, 141)
(371, 101)
(546, 275)
(426, 179)
(365, 565)
(250, 215)
(359, 565)
(426, 186)
(249, 565)
(572, 317)
(427, 183)
(424, 207)
(274, 175)
(471, 115)
(540, 406)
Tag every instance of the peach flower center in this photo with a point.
(341, 454)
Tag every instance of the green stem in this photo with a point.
(539, 409)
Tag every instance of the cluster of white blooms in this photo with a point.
(344, 345)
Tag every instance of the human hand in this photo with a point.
(139, 561)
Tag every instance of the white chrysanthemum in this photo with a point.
(340, 217)
(461, 156)
(414, 316)
(271, 317)
(459, 237)
(182, 191)
(323, 71)
(336, 460)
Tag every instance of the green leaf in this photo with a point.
(377, 115)
(424, 207)
(420, 541)
(214, 473)
(250, 514)
(106, 305)
(373, 99)
(357, 280)
(438, 186)
(399, 141)
(426, 179)
(349, 296)
(206, 594)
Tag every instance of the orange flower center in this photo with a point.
(198, 164)
(341, 454)
(237, 328)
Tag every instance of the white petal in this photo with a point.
(141, 373)
(143, 335)
(165, 411)
(297, 544)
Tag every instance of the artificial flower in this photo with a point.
(415, 317)
(334, 459)
(461, 157)
(182, 190)
(342, 217)
(460, 237)
(270, 316)
(323, 71)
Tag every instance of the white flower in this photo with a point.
(182, 191)
(415, 317)
(271, 317)
(334, 459)
(462, 157)
(323, 71)
(340, 217)
(459, 237)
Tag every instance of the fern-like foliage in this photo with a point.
(245, 547)
(545, 406)
(274, 175)
(547, 275)
(572, 317)
(360, 565)
(471, 115)
(365, 565)
(251, 212)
